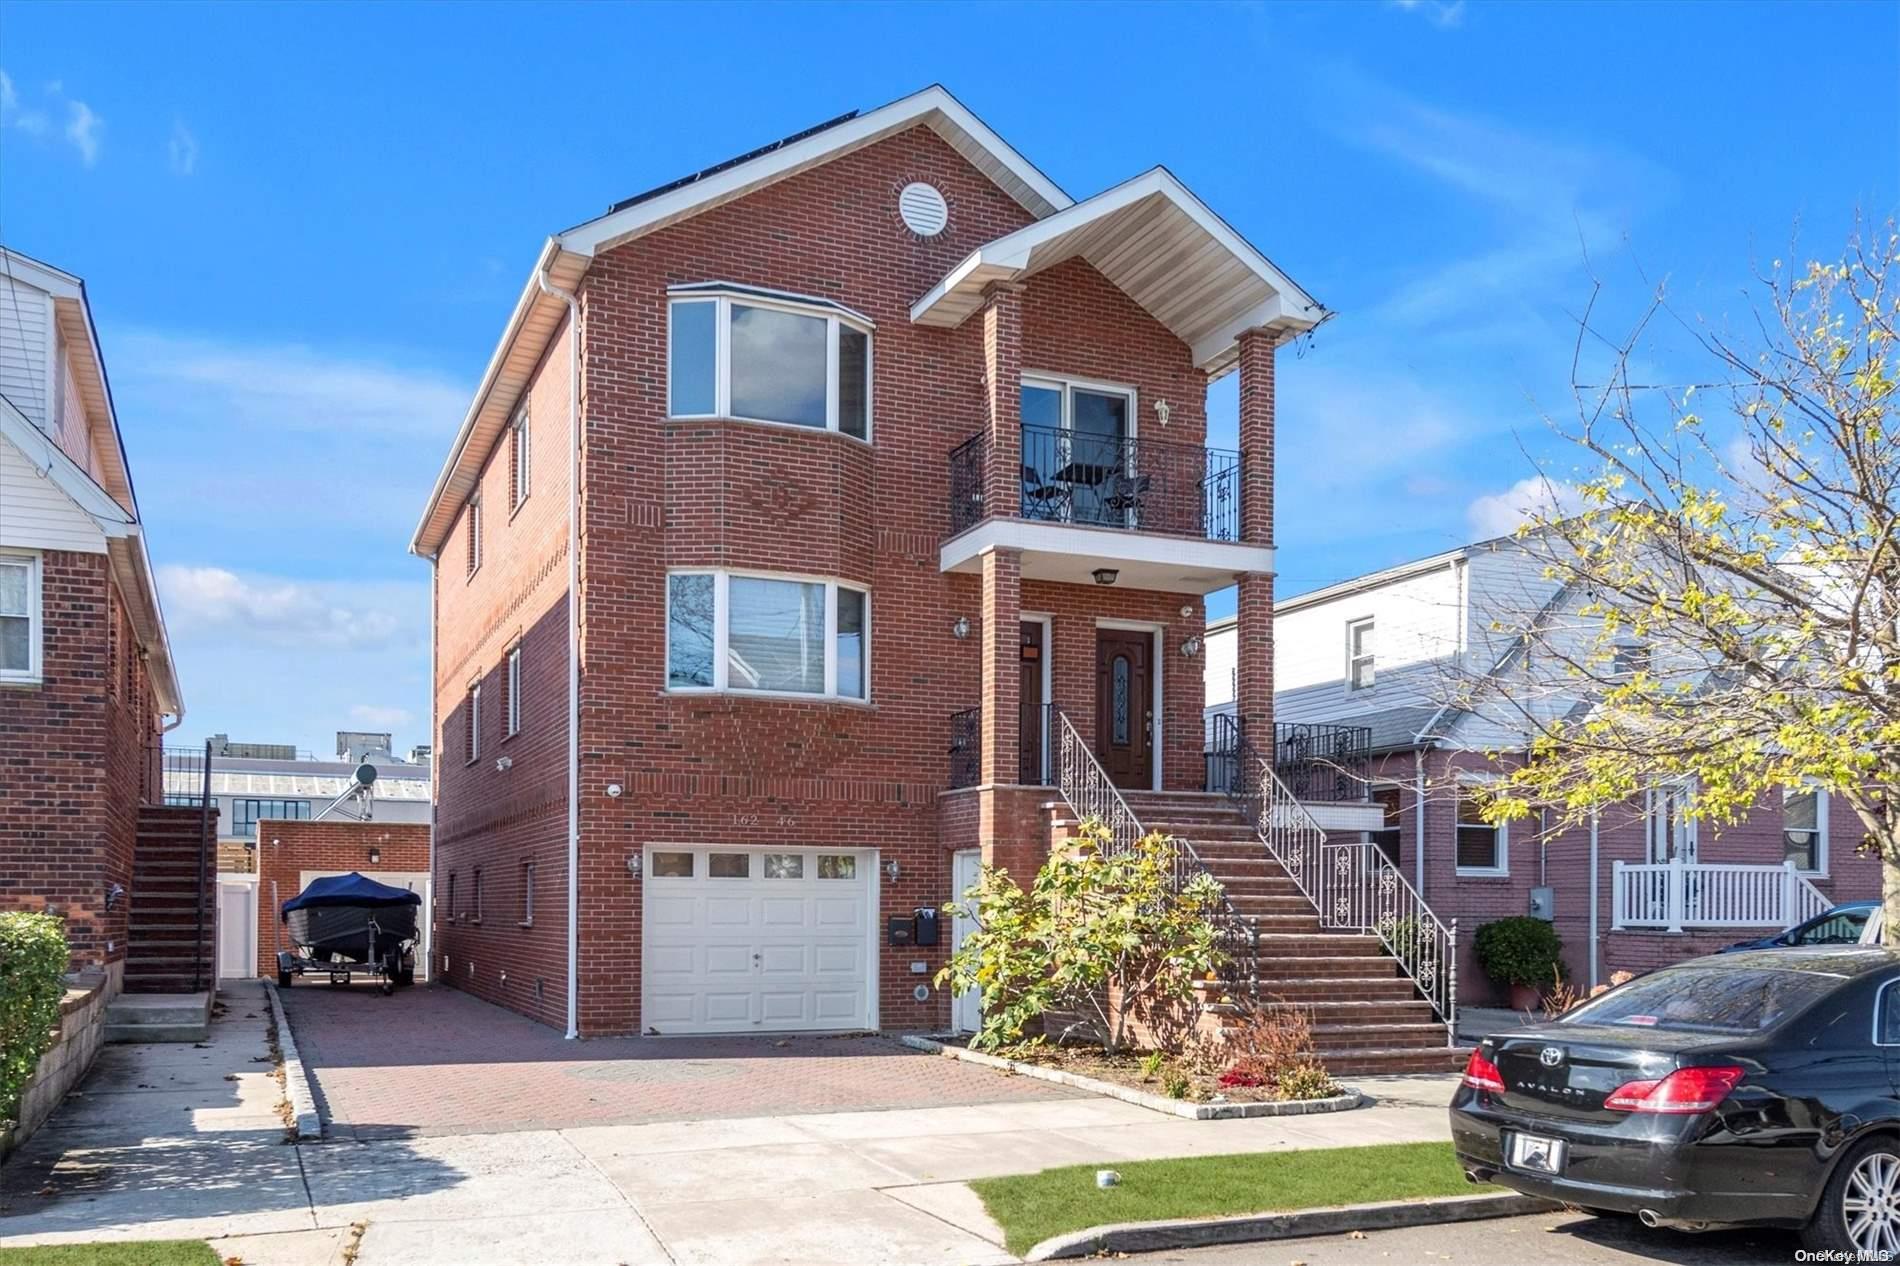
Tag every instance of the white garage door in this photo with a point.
(751, 942)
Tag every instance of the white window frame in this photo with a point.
(1820, 829)
(513, 682)
(519, 437)
(527, 894)
(1502, 830)
(722, 352)
(722, 585)
(474, 724)
(474, 535)
(1664, 825)
(35, 620)
(1368, 625)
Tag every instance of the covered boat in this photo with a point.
(353, 918)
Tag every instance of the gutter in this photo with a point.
(573, 640)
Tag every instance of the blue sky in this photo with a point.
(303, 227)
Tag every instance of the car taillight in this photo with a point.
(1482, 1074)
(1686, 1090)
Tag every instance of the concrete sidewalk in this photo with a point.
(163, 1144)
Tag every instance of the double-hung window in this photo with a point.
(767, 634)
(513, 688)
(474, 534)
(1483, 848)
(19, 617)
(473, 732)
(761, 357)
(520, 460)
(1804, 829)
(1359, 658)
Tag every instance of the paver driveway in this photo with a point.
(434, 1060)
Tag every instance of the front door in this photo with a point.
(966, 1009)
(1124, 706)
(1033, 734)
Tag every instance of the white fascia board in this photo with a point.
(40, 275)
(1109, 545)
(132, 564)
(618, 226)
(66, 474)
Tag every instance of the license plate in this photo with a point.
(1536, 1154)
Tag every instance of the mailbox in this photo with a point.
(925, 920)
(899, 929)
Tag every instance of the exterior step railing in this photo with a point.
(1353, 887)
(1089, 791)
(1680, 894)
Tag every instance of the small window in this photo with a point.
(477, 912)
(784, 865)
(512, 686)
(527, 894)
(452, 907)
(474, 534)
(673, 865)
(1481, 844)
(1359, 659)
(19, 617)
(473, 723)
(768, 360)
(520, 459)
(837, 866)
(246, 813)
(766, 634)
(1803, 829)
(729, 865)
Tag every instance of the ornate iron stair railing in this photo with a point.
(1353, 887)
(1092, 794)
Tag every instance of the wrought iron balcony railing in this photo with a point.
(1034, 745)
(1140, 485)
(966, 737)
(1316, 762)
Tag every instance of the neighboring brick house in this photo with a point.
(1382, 654)
(894, 495)
(291, 853)
(86, 676)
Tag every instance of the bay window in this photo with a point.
(767, 634)
(763, 357)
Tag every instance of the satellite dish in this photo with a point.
(365, 774)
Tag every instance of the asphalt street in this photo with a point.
(1561, 1239)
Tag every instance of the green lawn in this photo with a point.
(1032, 1207)
(131, 1253)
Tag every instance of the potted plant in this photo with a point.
(1522, 953)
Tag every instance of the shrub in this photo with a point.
(1151, 1065)
(1267, 1040)
(1105, 936)
(1176, 1085)
(1305, 1081)
(33, 957)
(1520, 951)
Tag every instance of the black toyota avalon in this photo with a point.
(1758, 1088)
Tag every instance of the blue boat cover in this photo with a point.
(350, 890)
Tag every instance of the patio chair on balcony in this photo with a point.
(1044, 498)
(1127, 496)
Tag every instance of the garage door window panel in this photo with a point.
(729, 865)
(672, 866)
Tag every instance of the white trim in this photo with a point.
(521, 477)
(767, 297)
(68, 476)
(721, 618)
(511, 719)
(1821, 850)
(1195, 566)
(473, 738)
(722, 297)
(1371, 625)
(35, 614)
(1037, 193)
(1502, 830)
(1157, 729)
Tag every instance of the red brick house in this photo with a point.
(881, 550)
(87, 682)
(1377, 657)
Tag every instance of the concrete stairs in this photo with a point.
(1367, 1017)
(159, 1017)
(165, 951)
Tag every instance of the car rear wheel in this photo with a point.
(1859, 1217)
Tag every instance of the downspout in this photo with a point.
(1418, 849)
(573, 648)
(1593, 898)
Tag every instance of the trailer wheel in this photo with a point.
(283, 978)
(389, 986)
(407, 976)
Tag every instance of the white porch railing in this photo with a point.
(1678, 894)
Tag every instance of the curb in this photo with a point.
(303, 1103)
(1141, 1098)
(1148, 1237)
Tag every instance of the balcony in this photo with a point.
(1161, 515)
(1035, 722)
(1679, 894)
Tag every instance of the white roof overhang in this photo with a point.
(1158, 243)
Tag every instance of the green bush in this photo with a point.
(32, 981)
(1520, 951)
(1305, 1081)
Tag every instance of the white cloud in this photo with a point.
(383, 718)
(274, 609)
(182, 149)
(82, 129)
(32, 122)
(1502, 513)
(1440, 13)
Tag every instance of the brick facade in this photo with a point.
(70, 761)
(660, 494)
(286, 849)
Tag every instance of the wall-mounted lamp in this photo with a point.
(375, 855)
(1187, 611)
(613, 789)
(960, 627)
(1191, 647)
(504, 763)
(1106, 575)
(634, 861)
(113, 893)
(892, 869)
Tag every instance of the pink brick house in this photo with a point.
(1377, 656)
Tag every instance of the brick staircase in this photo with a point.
(163, 946)
(1367, 1017)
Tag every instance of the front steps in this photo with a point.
(1367, 1017)
(159, 1017)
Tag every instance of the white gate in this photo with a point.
(237, 926)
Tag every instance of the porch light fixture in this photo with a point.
(960, 627)
(892, 869)
(633, 864)
(375, 855)
(1106, 575)
(1191, 647)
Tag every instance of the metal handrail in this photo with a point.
(965, 748)
(1353, 887)
(1092, 794)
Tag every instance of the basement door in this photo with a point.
(766, 941)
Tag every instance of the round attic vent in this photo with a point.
(923, 208)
